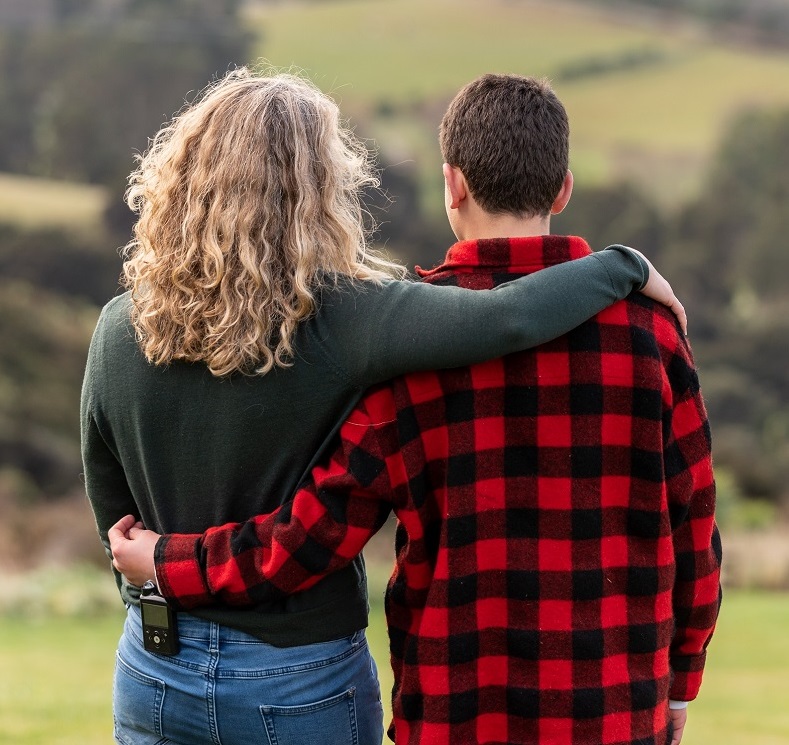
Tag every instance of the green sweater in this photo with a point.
(185, 450)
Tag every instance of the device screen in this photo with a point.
(154, 615)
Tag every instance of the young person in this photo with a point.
(557, 573)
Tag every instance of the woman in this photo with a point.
(255, 318)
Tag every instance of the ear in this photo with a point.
(563, 197)
(457, 189)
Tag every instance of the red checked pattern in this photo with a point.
(557, 572)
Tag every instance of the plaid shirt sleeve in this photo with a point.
(339, 507)
(697, 547)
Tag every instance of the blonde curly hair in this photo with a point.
(248, 202)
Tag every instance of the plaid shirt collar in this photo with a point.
(513, 255)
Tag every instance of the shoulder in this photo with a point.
(116, 311)
(646, 318)
(114, 325)
(660, 322)
(361, 302)
(655, 332)
(344, 289)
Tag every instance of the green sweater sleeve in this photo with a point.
(399, 327)
(105, 480)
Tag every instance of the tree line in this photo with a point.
(83, 85)
(725, 253)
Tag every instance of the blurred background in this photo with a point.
(679, 113)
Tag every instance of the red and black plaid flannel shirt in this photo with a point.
(557, 571)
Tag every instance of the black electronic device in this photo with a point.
(159, 625)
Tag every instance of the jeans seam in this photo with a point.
(213, 663)
(353, 719)
(159, 687)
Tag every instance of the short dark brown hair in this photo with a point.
(509, 135)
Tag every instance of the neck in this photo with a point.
(485, 225)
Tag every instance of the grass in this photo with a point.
(656, 122)
(743, 699)
(355, 49)
(59, 692)
(41, 203)
(57, 680)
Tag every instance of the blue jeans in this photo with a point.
(226, 687)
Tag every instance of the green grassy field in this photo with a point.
(40, 203)
(393, 65)
(57, 680)
(57, 676)
(656, 121)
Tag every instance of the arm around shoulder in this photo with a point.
(400, 327)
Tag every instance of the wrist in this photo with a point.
(178, 571)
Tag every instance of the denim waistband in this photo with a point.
(191, 627)
(199, 629)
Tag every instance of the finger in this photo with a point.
(683, 318)
(136, 531)
(118, 531)
(677, 308)
(679, 311)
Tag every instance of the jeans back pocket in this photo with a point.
(331, 721)
(138, 700)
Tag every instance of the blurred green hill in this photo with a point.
(648, 93)
(679, 112)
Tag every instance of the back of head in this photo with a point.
(247, 200)
(509, 135)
